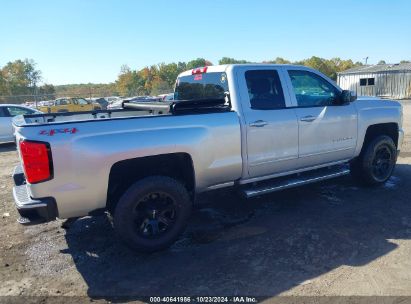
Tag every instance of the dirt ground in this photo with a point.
(330, 239)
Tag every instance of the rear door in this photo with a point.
(270, 121)
(327, 129)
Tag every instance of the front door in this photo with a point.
(327, 129)
(271, 126)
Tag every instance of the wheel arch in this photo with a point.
(126, 172)
(390, 129)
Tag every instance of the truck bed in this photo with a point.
(47, 118)
(129, 110)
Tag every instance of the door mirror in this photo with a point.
(347, 96)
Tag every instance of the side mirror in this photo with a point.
(347, 96)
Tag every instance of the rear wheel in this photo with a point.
(376, 162)
(152, 213)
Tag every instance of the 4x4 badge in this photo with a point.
(52, 132)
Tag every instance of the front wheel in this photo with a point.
(152, 213)
(376, 162)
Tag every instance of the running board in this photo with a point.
(296, 180)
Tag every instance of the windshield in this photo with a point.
(201, 86)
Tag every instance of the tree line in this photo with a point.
(21, 77)
(160, 78)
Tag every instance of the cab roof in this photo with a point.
(224, 67)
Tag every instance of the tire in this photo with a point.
(152, 213)
(376, 162)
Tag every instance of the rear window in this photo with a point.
(201, 86)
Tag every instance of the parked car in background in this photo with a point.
(101, 101)
(166, 97)
(68, 104)
(30, 104)
(7, 112)
(44, 103)
(118, 104)
(111, 99)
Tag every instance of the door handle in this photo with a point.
(308, 118)
(258, 123)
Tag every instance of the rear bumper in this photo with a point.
(32, 211)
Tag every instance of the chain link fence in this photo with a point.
(33, 99)
(20, 99)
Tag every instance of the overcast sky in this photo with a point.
(81, 41)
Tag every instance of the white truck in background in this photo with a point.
(260, 128)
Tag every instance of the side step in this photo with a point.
(292, 181)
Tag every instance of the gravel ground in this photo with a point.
(328, 239)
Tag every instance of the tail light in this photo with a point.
(37, 161)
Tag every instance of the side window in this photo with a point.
(264, 89)
(312, 90)
(2, 112)
(61, 102)
(13, 111)
(82, 101)
(367, 81)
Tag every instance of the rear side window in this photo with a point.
(201, 86)
(264, 89)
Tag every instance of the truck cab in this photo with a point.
(291, 116)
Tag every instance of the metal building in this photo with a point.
(383, 80)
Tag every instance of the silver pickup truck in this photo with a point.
(259, 128)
